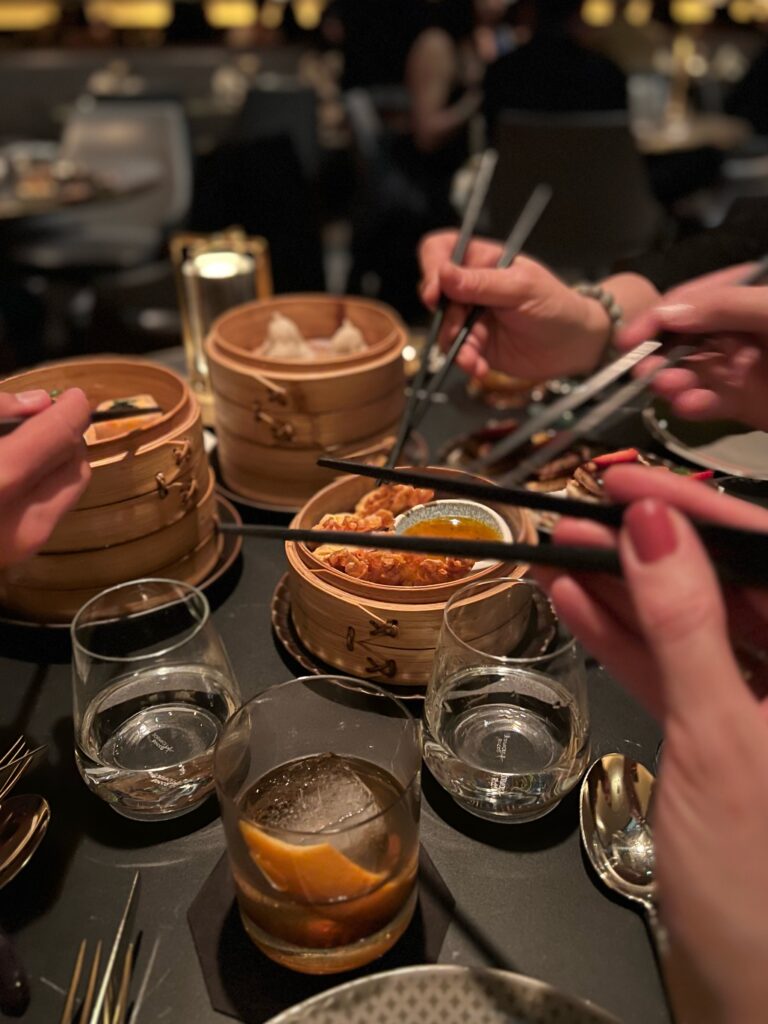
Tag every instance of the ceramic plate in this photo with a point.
(725, 446)
(444, 995)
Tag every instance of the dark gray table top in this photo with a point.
(524, 891)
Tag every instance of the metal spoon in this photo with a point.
(616, 804)
(23, 822)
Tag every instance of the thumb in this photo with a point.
(24, 403)
(480, 286)
(680, 610)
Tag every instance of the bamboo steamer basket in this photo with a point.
(145, 461)
(293, 474)
(275, 418)
(114, 563)
(371, 630)
(149, 506)
(60, 606)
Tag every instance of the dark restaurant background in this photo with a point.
(342, 130)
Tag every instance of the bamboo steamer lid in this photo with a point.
(373, 631)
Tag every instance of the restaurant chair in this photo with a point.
(117, 137)
(281, 105)
(602, 207)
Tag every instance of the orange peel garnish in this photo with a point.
(318, 873)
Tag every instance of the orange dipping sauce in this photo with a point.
(455, 527)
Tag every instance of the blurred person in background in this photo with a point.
(553, 71)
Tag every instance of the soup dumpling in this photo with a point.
(284, 340)
(348, 339)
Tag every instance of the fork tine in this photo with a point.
(12, 751)
(13, 777)
(92, 979)
(69, 1003)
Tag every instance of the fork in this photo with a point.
(12, 768)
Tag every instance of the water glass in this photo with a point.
(506, 722)
(153, 688)
(318, 781)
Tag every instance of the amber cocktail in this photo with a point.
(318, 781)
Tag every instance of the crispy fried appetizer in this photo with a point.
(395, 568)
(373, 523)
(396, 498)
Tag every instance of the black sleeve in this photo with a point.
(743, 236)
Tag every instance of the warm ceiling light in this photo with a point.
(598, 13)
(692, 12)
(741, 11)
(231, 13)
(28, 15)
(272, 14)
(638, 12)
(308, 13)
(131, 14)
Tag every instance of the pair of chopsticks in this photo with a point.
(740, 556)
(9, 423)
(421, 397)
(587, 390)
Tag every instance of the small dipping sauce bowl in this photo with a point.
(456, 519)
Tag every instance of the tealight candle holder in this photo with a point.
(214, 273)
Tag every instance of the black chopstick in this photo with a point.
(9, 423)
(472, 213)
(609, 515)
(740, 556)
(587, 390)
(518, 236)
(575, 558)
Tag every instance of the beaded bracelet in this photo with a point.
(609, 304)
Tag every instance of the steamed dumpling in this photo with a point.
(348, 339)
(284, 340)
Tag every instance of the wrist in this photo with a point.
(598, 328)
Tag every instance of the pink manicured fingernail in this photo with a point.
(651, 530)
(676, 311)
(31, 397)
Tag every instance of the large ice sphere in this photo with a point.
(323, 794)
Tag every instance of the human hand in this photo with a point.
(536, 327)
(667, 633)
(43, 468)
(729, 379)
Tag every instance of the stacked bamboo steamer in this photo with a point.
(276, 418)
(149, 509)
(384, 633)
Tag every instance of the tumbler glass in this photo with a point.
(318, 781)
(153, 688)
(506, 723)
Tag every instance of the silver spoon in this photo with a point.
(23, 822)
(616, 805)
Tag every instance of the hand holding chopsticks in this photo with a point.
(472, 213)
